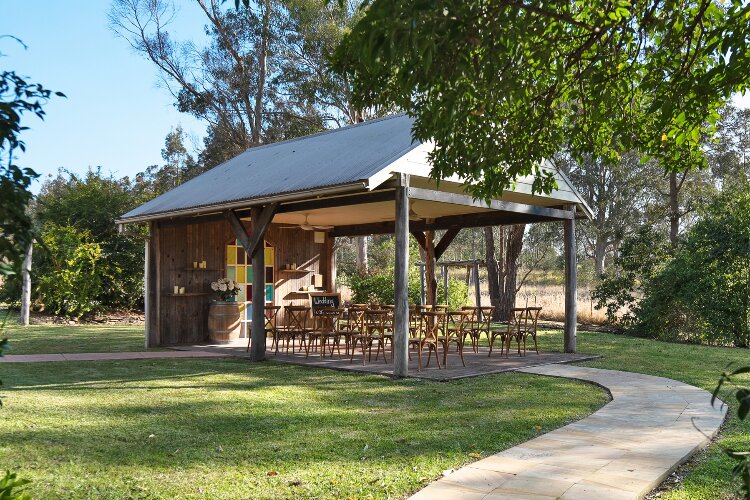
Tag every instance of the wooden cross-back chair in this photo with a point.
(513, 326)
(454, 332)
(532, 319)
(326, 332)
(432, 326)
(379, 324)
(271, 316)
(355, 324)
(295, 327)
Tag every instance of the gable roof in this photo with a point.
(354, 158)
(339, 157)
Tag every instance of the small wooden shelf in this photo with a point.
(187, 294)
(199, 269)
(295, 271)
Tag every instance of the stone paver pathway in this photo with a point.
(105, 356)
(622, 451)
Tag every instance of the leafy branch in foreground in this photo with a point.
(742, 469)
(501, 86)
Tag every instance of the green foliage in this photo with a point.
(11, 482)
(502, 86)
(619, 290)
(702, 293)
(742, 394)
(17, 96)
(76, 275)
(380, 287)
(458, 293)
(90, 204)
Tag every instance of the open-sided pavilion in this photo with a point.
(253, 215)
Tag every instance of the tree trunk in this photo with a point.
(26, 285)
(502, 269)
(674, 209)
(262, 70)
(513, 247)
(493, 272)
(600, 253)
(363, 264)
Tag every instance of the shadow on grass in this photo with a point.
(278, 415)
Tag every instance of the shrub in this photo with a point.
(379, 287)
(701, 295)
(619, 291)
(74, 273)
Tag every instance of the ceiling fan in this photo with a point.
(306, 226)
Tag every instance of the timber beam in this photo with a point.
(253, 242)
(480, 219)
(446, 240)
(504, 206)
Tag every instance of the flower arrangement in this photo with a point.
(225, 288)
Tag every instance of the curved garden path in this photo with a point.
(622, 451)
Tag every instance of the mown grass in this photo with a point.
(230, 429)
(82, 402)
(50, 339)
(709, 474)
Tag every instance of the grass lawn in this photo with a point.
(701, 366)
(81, 429)
(51, 339)
(229, 429)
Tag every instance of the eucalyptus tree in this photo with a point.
(501, 86)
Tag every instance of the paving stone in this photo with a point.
(622, 451)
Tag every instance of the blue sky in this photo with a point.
(115, 116)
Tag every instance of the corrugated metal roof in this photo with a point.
(332, 158)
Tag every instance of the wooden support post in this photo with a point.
(429, 260)
(152, 288)
(422, 285)
(569, 238)
(260, 219)
(26, 285)
(330, 262)
(401, 271)
(258, 325)
(477, 291)
(445, 283)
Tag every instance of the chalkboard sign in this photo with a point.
(321, 301)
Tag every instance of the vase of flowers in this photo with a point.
(226, 290)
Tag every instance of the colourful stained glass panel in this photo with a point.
(241, 296)
(249, 274)
(269, 256)
(240, 255)
(231, 272)
(269, 275)
(269, 293)
(231, 257)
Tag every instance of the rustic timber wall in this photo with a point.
(175, 246)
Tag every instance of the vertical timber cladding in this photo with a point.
(184, 319)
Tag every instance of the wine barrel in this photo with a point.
(224, 322)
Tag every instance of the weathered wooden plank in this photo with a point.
(419, 236)
(569, 242)
(338, 201)
(261, 219)
(480, 219)
(152, 288)
(258, 335)
(401, 271)
(505, 206)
